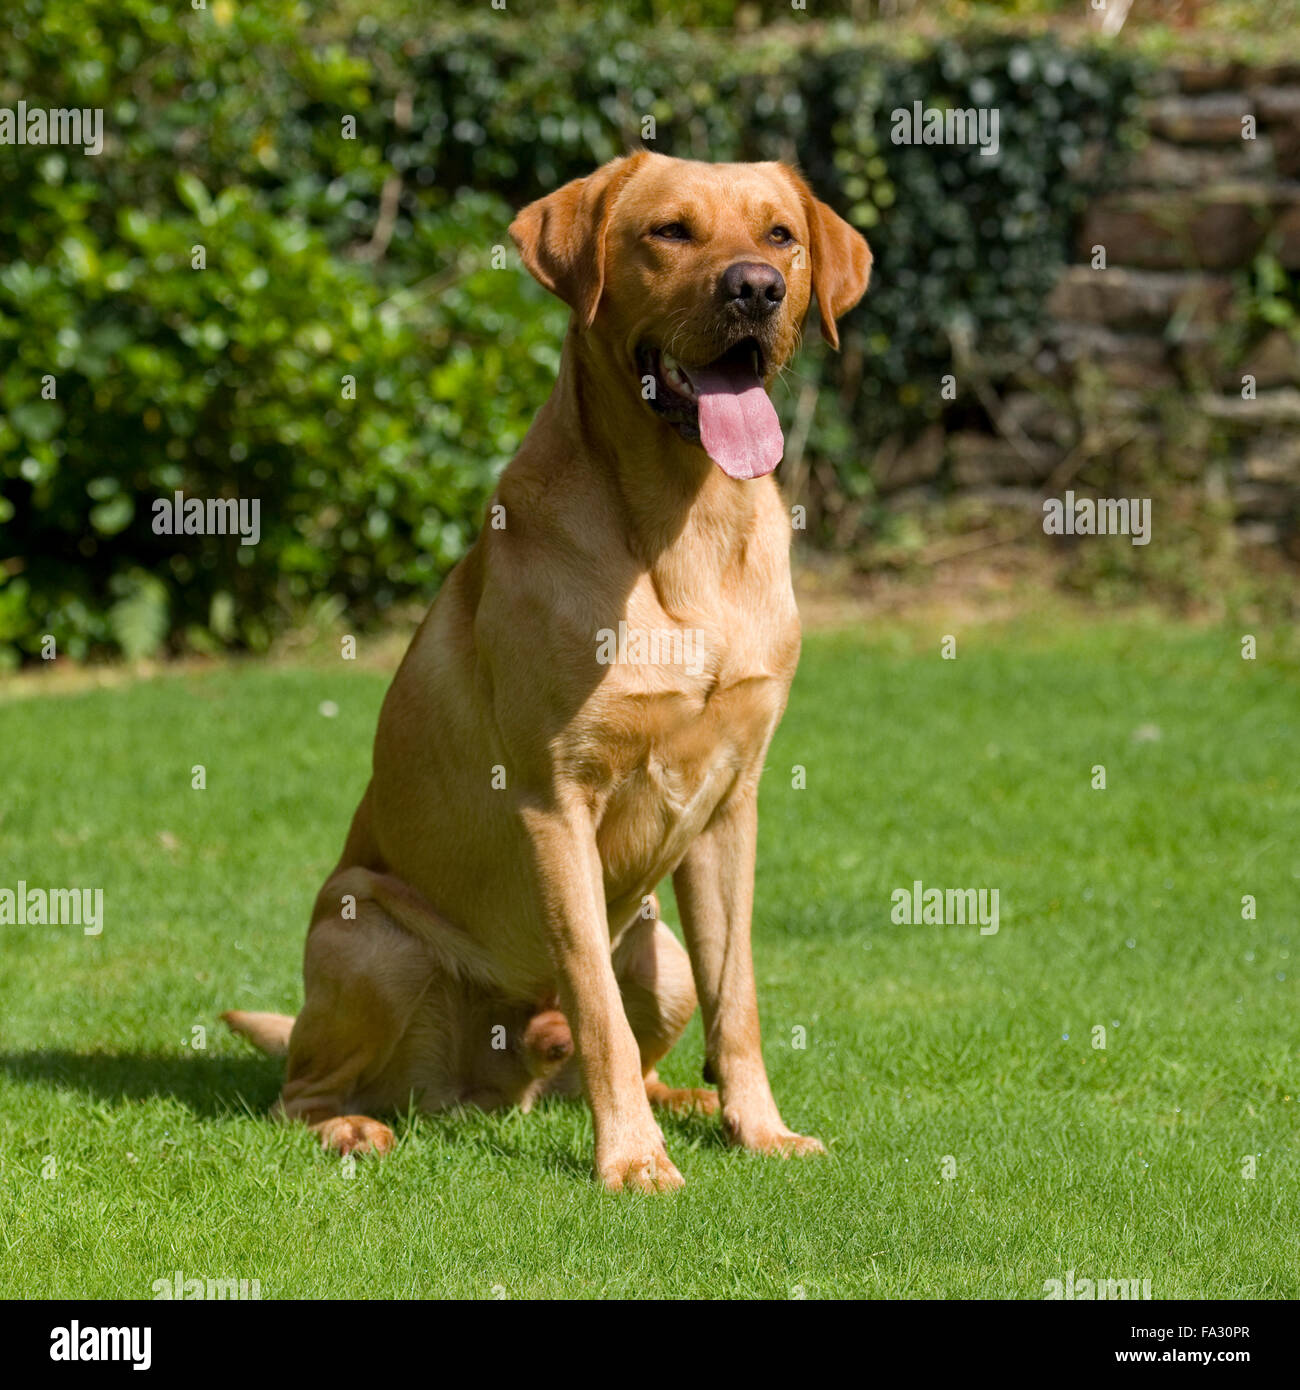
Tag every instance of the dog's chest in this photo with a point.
(684, 710)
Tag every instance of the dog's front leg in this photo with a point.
(715, 893)
(571, 901)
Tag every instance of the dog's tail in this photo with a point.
(268, 1032)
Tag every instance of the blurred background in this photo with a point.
(350, 169)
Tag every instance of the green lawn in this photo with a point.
(1119, 908)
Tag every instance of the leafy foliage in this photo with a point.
(378, 258)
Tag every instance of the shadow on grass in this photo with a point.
(209, 1087)
(222, 1086)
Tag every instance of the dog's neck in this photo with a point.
(667, 491)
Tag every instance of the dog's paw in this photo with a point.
(686, 1100)
(355, 1134)
(547, 1042)
(639, 1169)
(774, 1140)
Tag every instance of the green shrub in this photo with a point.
(225, 132)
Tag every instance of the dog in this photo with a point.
(544, 756)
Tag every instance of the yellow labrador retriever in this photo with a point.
(587, 706)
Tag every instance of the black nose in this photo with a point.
(753, 288)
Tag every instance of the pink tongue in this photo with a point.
(738, 424)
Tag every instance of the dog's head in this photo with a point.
(695, 278)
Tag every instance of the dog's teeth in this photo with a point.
(678, 379)
(670, 363)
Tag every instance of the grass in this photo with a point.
(1119, 908)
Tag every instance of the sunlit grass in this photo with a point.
(1119, 908)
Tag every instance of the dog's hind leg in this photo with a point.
(355, 1010)
(365, 974)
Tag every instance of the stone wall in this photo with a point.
(1146, 361)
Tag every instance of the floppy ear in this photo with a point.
(561, 238)
(841, 260)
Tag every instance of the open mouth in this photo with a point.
(721, 405)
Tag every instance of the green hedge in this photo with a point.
(224, 131)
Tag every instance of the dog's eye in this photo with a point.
(672, 231)
(780, 235)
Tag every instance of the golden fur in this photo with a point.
(490, 932)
